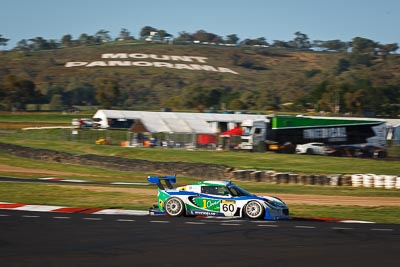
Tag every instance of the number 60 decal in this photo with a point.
(228, 207)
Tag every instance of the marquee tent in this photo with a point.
(172, 122)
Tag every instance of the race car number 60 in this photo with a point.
(228, 207)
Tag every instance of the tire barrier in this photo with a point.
(398, 182)
(379, 181)
(205, 171)
(357, 180)
(367, 180)
(390, 182)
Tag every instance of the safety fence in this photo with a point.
(125, 138)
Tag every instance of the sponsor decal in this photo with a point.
(204, 213)
(228, 201)
(228, 206)
(206, 203)
(333, 134)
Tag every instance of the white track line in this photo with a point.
(304, 227)
(122, 212)
(342, 228)
(92, 219)
(381, 229)
(38, 208)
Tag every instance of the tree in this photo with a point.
(66, 40)
(102, 36)
(353, 101)
(203, 36)
(56, 102)
(38, 43)
(3, 41)
(18, 92)
(84, 39)
(330, 100)
(146, 30)
(331, 45)
(388, 48)
(22, 46)
(125, 35)
(343, 65)
(364, 46)
(258, 41)
(163, 34)
(278, 43)
(301, 41)
(232, 39)
(237, 104)
(107, 92)
(83, 94)
(184, 37)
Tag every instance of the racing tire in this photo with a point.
(174, 207)
(254, 210)
(310, 151)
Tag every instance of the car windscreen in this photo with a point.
(237, 191)
(215, 190)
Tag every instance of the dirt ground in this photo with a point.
(12, 169)
(290, 199)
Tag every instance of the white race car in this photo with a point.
(312, 149)
(214, 198)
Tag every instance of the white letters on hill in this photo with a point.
(147, 60)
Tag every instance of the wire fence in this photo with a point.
(117, 137)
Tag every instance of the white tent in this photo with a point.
(174, 122)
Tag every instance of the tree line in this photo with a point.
(301, 41)
(356, 84)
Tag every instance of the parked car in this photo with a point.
(374, 151)
(311, 149)
(357, 150)
(82, 122)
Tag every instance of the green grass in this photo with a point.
(47, 118)
(98, 174)
(68, 171)
(373, 214)
(317, 190)
(80, 197)
(236, 159)
(41, 194)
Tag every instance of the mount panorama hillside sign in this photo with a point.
(151, 60)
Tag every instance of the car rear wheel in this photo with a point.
(254, 210)
(310, 151)
(174, 207)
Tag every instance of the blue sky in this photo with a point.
(274, 20)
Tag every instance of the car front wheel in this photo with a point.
(254, 210)
(174, 207)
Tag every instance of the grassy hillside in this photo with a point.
(267, 78)
(280, 70)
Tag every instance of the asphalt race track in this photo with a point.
(58, 239)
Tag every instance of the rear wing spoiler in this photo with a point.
(168, 181)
